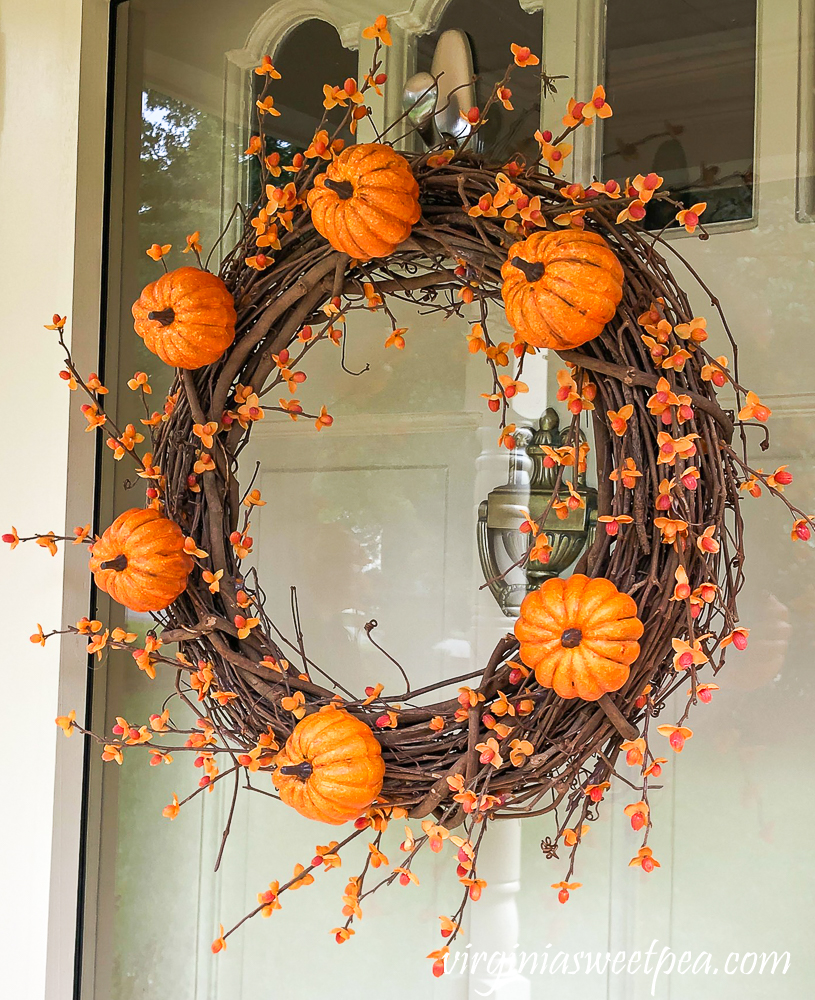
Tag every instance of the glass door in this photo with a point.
(376, 519)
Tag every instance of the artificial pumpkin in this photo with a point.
(331, 768)
(140, 560)
(187, 317)
(560, 289)
(579, 635)
(366, 201)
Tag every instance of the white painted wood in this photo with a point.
(573, 47)
(51, 462)
(494, 927)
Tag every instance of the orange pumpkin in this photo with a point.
(187, 317)
(331, 768)
(579, 636)
(140, 560)
(366, 201)
(560, 289)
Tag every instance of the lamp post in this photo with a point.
(529, 490)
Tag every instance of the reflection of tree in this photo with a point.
(272, 144)
(179, 191)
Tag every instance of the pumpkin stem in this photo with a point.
(118, 563)
(532, 269)
(343, 188)
(571, 637)
(164, 316)
(303, 770)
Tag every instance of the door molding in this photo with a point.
(63, 935)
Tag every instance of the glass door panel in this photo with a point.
(375, 519)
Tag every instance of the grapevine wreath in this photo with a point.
(569, 701)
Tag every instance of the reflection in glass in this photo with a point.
(681, 81)
(490, 37)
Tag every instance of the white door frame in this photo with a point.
(88, 182)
